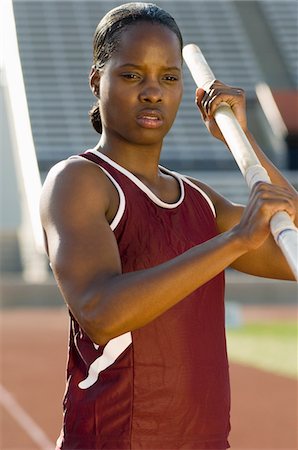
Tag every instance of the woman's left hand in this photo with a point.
(209, 101)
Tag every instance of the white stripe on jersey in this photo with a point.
(114, 348)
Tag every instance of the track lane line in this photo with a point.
(37, 435)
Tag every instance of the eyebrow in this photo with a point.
(136, 66)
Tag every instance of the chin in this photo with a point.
(150, 137)
(149, 142)
(144, 138)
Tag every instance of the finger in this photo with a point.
(269, 201)
(262, 186)
(204, 103)
(218, 84)
(200, 95)
(234, 97)
(272, 206)
(212, 97)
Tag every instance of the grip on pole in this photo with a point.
(282, 228)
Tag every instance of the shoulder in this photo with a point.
(227, 213)
(72, 187)
(73, 171)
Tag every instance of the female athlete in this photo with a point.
(139, 252)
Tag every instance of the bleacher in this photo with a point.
(282, 17)
(55, 44)
(55, 40)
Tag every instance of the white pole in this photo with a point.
(282, 228)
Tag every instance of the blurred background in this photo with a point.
(46, 55)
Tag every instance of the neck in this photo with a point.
(141, 160)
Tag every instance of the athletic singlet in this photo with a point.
(165, 385)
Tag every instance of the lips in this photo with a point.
(150, 118)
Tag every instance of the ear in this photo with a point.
(94, 80)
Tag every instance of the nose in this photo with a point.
(151, 92)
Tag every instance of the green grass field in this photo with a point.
(269, 346)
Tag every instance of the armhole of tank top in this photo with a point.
(207, 198)
(121, 207)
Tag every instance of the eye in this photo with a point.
(130, 76)
(170, 78)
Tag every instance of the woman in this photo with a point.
(139, 253)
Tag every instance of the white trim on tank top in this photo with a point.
(193, 185)
(116, 346)
(140, 184)
(111, 352)
(180, 178)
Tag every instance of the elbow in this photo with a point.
(101, 332)
(97, 318)
(99, 338)
(96, 325)
(95, 330)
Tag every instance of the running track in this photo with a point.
(33, 349)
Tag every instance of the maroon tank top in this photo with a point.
(165, 385)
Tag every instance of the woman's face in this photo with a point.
(140, 87)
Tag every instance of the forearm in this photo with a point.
(275, 175)
(127, 302)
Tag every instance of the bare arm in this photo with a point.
(77, 199)
(267, 260)
(275, 175)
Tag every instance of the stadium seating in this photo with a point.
(55, 46)
(282, 18)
